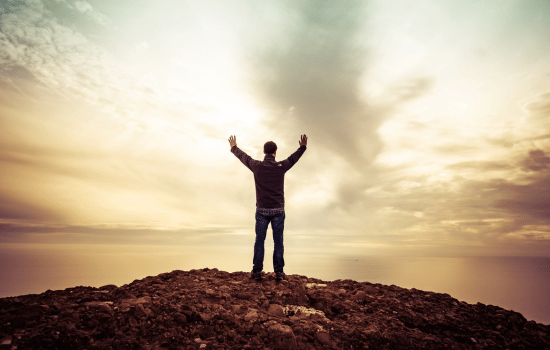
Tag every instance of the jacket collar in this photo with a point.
(269, 157)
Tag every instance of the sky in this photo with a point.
(428, 124)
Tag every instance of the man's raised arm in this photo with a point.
(243, 157)
(290, 161)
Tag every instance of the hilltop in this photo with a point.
(212, 309)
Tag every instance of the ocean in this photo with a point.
(521, 284)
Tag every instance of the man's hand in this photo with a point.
(232, 141)
(303, 140)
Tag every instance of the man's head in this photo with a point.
(270, 147)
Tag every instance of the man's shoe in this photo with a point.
(257, 275)
(280, 276)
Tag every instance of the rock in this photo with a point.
(5, 343)
(323, 338)
(338, 307)
(140, 310)
(283, 335)
(205, 317)
(133, 322)
(108, 287)
(92, 323)
(360, 296)
(251, 316)
(144, 300)
(245, 296)
(370, 290)
(103, 307)
(238, 309)
(276, 310)
(180, 318)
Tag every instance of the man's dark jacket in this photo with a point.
(269, 176)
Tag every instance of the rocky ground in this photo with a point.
(212, 309)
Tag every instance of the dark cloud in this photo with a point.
(312, 81)
(524, 201)
(482, 165)
(27, 232)
(315, 73)
(527, 201)
(13, 207)
(512, 202)
(536, 161)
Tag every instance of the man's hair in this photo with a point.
(270, 147)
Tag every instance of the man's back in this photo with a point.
(269, 176)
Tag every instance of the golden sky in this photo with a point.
(428, 123)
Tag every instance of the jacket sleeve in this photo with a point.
(243, 157)
(293, 159)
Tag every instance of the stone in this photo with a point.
(140, 310)
(144, 300)
(108, 287)
(251, 316)
(360, 296)
(205, 317)
(323, 338)
(6, 341)
(276, 310)
(245, 296)
(103, 307)
(338, 306)
(283, 335)
(180, 318)
(370, 290)
(133, 322)
(238, 309)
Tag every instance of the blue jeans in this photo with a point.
(277, 219)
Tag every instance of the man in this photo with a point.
(269, 177)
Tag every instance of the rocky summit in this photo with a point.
(212, 309)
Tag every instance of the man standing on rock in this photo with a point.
(269, 177)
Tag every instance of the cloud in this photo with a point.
(73, 67)
(311, 82)
(54, 54)
(485, 195)
(86, 141)
(12, 207)
(536, 161)
(526, 199)
(83, 6)
(315, 72)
